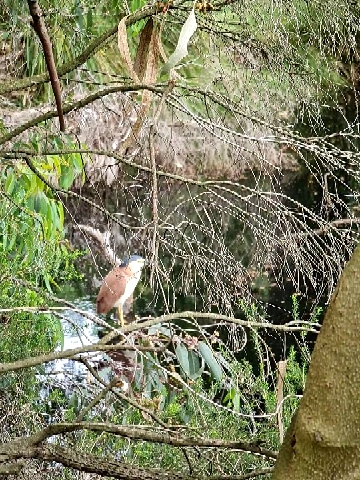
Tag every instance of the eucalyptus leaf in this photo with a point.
(195, 369)
(89, 19)
(47, 283)
(183, 357)
(10, 183)
(158, 328)
(181, 50)
(208, 356)
(67, 177)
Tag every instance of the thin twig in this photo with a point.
(123, 397)
(102, 394)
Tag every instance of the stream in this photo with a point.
(68, 375)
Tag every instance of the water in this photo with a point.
(66, 375)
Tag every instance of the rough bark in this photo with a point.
(323, 439)
(36, 447)
(93, 464)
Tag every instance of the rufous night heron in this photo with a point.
(118, 286)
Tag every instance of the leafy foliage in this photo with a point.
(34, 258)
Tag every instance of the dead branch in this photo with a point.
(168, 438)
(104, 240)
(69, 107)
(111, 468)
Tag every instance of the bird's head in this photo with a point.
(135, 262)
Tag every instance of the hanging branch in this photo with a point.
(39, 26)
(154, 246)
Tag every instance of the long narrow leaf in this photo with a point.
(208, 356)
(183, 357)
(124, 50)
(181, 50)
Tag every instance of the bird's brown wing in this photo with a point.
(112, 288)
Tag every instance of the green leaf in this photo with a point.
(47, 283)
(159, 329)
(195, 370)
(60, 210)
(33, 188)
(183, 357)
(77, 162)
(208, 356)
(52, 215)
(229, 396)
(10, 183)
(12, 241)
(89, 19)
(236, 402)
(44, 205)
(30, 203)
(79, 17)
(57, 330)
(67, 177)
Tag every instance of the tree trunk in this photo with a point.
(323, 439)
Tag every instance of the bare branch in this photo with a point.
(139, 434)
(69, 107)
(39, 26)
(304, 326)
(91, 463)
(97, 347)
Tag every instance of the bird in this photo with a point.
(118, 286)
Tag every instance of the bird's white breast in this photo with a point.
(129, 288)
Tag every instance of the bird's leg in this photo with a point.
(121, 316)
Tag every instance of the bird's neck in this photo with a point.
(136, 274)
